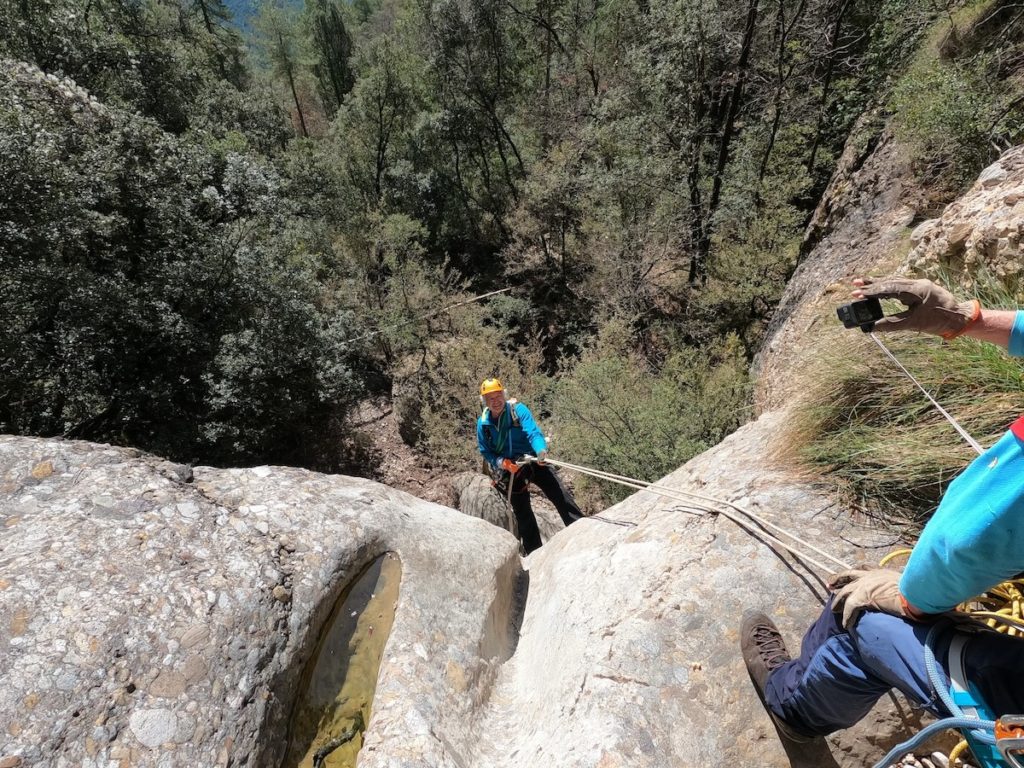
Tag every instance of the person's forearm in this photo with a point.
(993, 326)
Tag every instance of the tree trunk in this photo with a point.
(823, 104)
(291, 83)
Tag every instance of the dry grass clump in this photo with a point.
(864, 425)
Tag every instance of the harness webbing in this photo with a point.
(510, 410)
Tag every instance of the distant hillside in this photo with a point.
(245, 10)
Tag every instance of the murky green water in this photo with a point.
(341, 678)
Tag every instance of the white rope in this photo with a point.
(687, 498)
(963, 432)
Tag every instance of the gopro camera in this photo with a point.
(862, 314)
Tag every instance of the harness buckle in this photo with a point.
(1010, 739)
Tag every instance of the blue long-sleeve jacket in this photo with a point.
(502, 438)
(975, 539)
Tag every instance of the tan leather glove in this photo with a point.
(930, 307)
(856, 590)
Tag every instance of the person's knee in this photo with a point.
(888, 645)
(875, 628)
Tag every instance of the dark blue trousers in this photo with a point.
(839, 675)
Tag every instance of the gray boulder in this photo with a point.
(155, 618)
(161, 616)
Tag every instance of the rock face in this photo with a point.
(860, 227)
(476, 496)
(152, 615)
(157, 616)
(980, 232)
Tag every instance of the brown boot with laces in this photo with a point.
(764, 651)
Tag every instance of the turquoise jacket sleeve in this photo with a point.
(1016, 345)
(975, 539)
(529, 426)
(484, 446)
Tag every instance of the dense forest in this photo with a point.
(216, 240)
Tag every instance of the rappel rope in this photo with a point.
(701, 504)
(963, 432)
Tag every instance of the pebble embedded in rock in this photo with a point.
(153, 727)
(169, 684)
(194, 635)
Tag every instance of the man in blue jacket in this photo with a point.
(871, 635)
(505, 432)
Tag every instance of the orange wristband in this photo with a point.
(975, 316)
(910, 611)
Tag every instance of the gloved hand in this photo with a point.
(930, 307)
(541, 458)
(859, 589)
(509, 466)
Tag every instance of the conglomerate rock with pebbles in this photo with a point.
(153, 614)
(980, 233)
(160, 615)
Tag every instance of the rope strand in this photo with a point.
(963, 432)
(687, 497)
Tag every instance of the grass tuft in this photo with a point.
(866, 427)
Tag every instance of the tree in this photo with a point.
(332, 47)
(155, 294)
(279, 37)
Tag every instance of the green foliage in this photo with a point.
(154, 58)
(154, 295)
(200, 260)
(613, 413)
(959, 103)
(945, 111)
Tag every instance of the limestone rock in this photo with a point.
(981, 231)
(629, 649)
(476, 496)
(157, 633)
(142, 621)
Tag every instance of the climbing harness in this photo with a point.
(510, 409)
(527, 460)
(993, 742)
(969, 714)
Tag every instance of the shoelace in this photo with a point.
(770, 647)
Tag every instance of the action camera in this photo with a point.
(862, 314)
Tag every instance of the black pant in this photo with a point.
(545, 479)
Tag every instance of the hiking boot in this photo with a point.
(764, 651)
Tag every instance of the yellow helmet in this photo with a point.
(490, 385)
